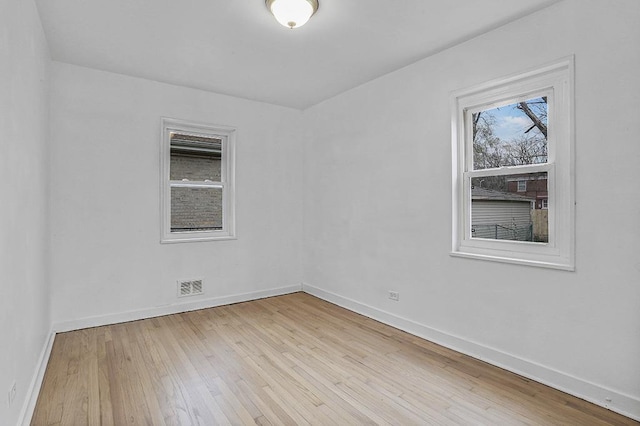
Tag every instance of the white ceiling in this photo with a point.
(236, 47)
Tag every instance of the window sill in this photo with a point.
(195, 238)
(564, 266)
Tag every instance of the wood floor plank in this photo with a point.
(286, 360)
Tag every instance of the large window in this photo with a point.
(197, 193)
(512, 155)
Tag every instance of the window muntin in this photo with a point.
(197, 182)
(541, 155)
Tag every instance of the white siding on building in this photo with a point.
(501, 219)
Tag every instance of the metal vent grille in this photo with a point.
(184, 288)
(196, 287)
(190, 288)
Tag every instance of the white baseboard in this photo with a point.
(36, 382)
(621, 403)
(176, 308)
(615, 401)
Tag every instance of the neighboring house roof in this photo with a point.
(486, 194)
(195, 145)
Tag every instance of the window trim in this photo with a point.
(227, 180)
(556, 81)
(524, 185)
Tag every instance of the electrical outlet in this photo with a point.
(12, 393)
(394, 295)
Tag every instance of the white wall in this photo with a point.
(24, 290)
(377, 204)
(378, 207)
(105, 252)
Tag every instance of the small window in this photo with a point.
(512, 142)
(197, 182)
(522, 186)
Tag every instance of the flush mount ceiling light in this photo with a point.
(292, 13)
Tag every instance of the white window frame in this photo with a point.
(524, 185)
(544, 204)
(227, 135)
(556, 82)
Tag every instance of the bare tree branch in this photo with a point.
(476, 118)
(538, 123)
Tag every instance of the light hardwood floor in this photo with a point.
(291, 359)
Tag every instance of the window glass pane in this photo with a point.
(511, 135)
(196, 209)
(500, 211)
(195, 158)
